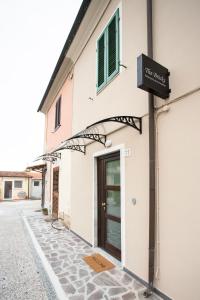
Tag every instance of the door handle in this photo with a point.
(104, 205)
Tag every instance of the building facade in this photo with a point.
(103, 189)
(19, 185)
(57, 108)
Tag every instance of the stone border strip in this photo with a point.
(52, 276)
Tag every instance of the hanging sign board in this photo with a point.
(152, 77)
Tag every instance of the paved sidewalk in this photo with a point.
(22, 276)
(64, 251)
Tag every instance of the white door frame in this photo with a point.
(119, 148)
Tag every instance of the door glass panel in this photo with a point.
(113, 203)
(114, 233)
(113, 172)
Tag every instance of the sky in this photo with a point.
(32, 35)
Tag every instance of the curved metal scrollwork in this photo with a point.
(52, 157)
(92, 133)
(100, 138)
(127, 120)
(80, 148)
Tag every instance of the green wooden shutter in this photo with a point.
(59, 111)
(113, 46)
(108, 52)
(56, 115)
(101, 59)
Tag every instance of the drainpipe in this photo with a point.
(152, 213)
(28, 187)
(43, 186)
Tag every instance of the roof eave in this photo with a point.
(81, 13)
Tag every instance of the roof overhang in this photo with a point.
(37, 168)
(88, 16)
(56, 85)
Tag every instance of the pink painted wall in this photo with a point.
(54, 138)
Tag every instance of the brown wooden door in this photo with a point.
(8, 190)
(55, 192)
(109, 204)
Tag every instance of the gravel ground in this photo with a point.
(21, 273)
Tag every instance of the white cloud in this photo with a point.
(32, 34)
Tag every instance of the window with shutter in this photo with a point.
(101, 60)
(56, 117)
(108, 52)
(57, 113)
(113, 48)
(59, 110)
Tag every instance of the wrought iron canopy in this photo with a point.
(80, 148)
(97, 137)
(52, 157)
(37, 168)
(127, 120)
(91, 132)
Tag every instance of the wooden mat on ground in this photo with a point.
(98, 263)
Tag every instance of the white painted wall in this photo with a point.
(48, 185)
(176, 26)
(178, 197)
(65, 185)
(135, 256)
(36, 190)
(111, 100)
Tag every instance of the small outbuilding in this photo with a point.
(35, 185)
(15, 185)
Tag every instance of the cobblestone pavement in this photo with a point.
(64, 251)
(22, 276)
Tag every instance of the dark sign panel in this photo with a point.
(152, 77)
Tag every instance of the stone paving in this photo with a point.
(65, 251)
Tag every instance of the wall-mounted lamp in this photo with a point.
(108, 143)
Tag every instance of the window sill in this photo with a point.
(106, 84)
